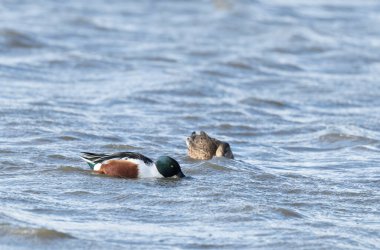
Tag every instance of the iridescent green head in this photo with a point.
(169, 167)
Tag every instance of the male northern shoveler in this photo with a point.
(132, 165)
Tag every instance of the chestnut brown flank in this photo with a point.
(119, 168)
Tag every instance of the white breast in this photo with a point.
(145, 170)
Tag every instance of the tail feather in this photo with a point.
(91, 158)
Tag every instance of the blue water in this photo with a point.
(293, 86)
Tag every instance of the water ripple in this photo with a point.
(17, 40)
(29, 232)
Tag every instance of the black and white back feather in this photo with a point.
(99, 158)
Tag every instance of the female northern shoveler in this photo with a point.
(132, 165)
(204, 147)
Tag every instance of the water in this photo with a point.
(293, 86)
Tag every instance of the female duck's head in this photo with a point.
(168, 167)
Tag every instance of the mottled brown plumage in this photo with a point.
(203, 147)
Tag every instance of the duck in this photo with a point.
(201, 146)
(132, 165)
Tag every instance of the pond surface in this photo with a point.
(293, 86)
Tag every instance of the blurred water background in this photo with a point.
(293, 86)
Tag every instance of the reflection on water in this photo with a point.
(292, 86)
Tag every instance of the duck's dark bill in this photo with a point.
(180, 175)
